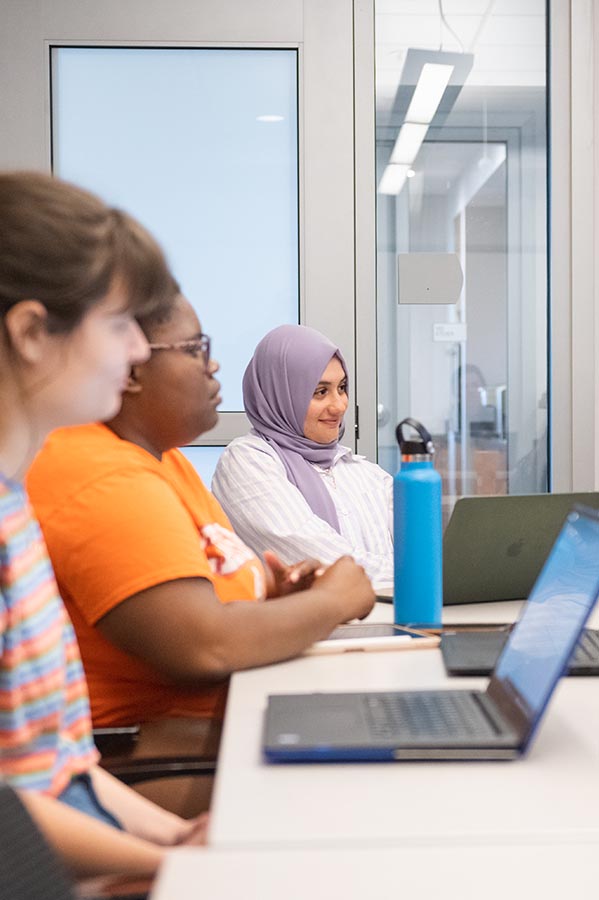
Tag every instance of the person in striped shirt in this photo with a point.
(289, 485)
(72, 273)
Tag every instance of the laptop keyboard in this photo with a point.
(427, 714)
(587, 647)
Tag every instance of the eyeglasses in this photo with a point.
(194, 347)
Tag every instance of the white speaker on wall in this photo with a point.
(429, 278)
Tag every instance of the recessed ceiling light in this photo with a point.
(270, 118)
(410, 173)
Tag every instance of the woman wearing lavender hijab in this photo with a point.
(289, 485)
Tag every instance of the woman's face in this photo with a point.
(80, 376)
(181, 393)
(327, 406)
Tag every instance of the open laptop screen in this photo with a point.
(540, 646)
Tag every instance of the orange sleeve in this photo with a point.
(141, 535)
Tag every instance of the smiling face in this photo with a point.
(327, 406)
(175, 396)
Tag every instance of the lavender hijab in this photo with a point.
(278, 385)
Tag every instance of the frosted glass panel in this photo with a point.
(201, 145)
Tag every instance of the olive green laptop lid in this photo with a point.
(494, 547)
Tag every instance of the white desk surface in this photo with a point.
(551, 796)
(467, 873)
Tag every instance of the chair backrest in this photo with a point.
(29, 870)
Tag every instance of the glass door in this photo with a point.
(461, 163)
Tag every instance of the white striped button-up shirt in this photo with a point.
(269, 513)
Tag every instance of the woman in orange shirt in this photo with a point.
(146, 560)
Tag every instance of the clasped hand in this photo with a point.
(282, 579)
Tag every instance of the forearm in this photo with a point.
(328, 546)
(89, 847)
(260, 634)
(138, 816)
(183, 630)
(378, 567)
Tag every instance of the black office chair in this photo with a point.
(171, 761)
(161, 749)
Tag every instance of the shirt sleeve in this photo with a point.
(366, 491)
(270, 513)
(141, 536)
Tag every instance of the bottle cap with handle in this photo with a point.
(422, 447)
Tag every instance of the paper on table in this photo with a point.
(373, 636)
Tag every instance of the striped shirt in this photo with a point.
(45, 726)
(270, 513)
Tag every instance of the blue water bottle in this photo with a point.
(418, 591)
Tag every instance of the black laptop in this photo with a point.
(498, 723)
(476, 652)
(494, 547)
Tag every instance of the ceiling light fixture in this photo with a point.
(432, 82)
(407, 145)
(437, 78)
(393, 179)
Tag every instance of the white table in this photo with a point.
(550, 797)
(470, 872)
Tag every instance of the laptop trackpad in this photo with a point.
(312, 724)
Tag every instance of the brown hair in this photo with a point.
(63, 246)
(149, 319)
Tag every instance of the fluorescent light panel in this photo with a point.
(432, 81)
(407, 145)
(393, 179)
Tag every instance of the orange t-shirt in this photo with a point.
(118, 521)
